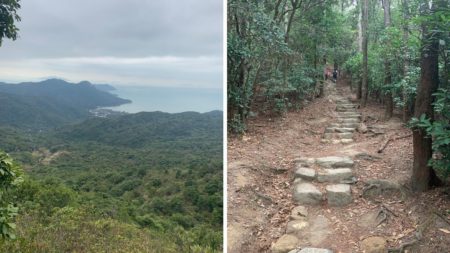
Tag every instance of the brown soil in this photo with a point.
(260, 183)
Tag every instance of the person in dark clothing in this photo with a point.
(335, 73)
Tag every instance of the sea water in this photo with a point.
(165, 99)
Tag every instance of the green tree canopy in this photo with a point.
(8, 19)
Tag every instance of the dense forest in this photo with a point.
(393, 52)
(142, 179)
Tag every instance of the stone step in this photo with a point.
(340, 130)
(339, 125)
(337, 141)
(345, 113)
(305, 173)
(346, 105)
(307, 193)
(340, 109)
(349, 116)
(346, 120)
(285, 244)
(339, 194)
(335, 175)
(335, 162)
(329, 136)
(311, 250)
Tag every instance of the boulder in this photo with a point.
(305, 173)
(285, 244)
(307, 193)
(339, 194)
(295, 226)
(374, 244)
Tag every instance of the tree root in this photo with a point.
(418, 234)
(382, 213)
(389, 210)
(380, 150)
(367, 188)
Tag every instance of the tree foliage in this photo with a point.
(8, 19)
(277, 52)
(10, 178)
(93, 181)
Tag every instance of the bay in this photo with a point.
(171, 100)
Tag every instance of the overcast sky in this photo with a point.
(123, 42)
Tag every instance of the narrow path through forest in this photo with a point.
(330, 178)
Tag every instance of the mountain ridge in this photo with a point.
(50, 103)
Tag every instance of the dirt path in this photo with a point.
(262, 167)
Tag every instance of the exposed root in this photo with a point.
(380, 150)
(382, 213)
(418, 234)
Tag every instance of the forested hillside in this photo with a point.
(50, 103)
(134, 183)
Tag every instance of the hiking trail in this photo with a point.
(315, 182)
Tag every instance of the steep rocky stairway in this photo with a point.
(321, 181)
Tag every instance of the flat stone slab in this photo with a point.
(307, 193)
(329, 136)
(346, 105)
(345, 135)
(345, 129)
(335, 175)
(374, 244)
(346, 110)
(346, 141)
(335, 162)
(355, 113)
(336, 141)
(345, 125)
(340, 130)
(311, 250)
(348, 120)
(295, 226)
(285, 244)
(305, 173)
(314, 250)
(352, 125)
(349, 116)
(339, 194)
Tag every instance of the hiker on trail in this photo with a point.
(335, 74)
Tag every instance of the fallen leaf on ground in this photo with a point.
(444, 230)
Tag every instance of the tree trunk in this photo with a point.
(365, 86)
(406, 102)
(359, 89)
(291, 18)
(423, 175)
(360, 28)
(387, 65)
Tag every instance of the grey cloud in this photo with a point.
(119, 29)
